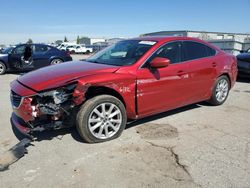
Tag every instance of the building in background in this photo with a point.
(229, 42)
(90, 41)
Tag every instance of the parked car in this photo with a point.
(31, 56)
(82, 49)
(244, 64)
(132, 79)
(79, 49)
(64, 45)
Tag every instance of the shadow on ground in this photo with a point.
(49, 135)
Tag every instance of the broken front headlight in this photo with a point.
(59, 95)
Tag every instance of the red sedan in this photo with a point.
(129, 80)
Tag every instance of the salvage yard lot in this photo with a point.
(195, 146)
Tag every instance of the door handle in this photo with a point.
(214, 64)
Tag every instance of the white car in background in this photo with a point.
(64, 45)
(79, 49)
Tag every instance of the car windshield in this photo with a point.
(7, 50)
(122, 53)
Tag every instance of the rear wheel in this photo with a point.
(56, 61)
(101, 118)
(2, 68)
(220, 91)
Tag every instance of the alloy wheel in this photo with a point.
(2, 68)
(105, 120)
(222, 89)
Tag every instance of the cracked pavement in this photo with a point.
(195, 146)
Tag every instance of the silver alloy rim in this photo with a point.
(221, 90)
(1, 68)
(105, 120)
(56, 61)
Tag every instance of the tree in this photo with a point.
(29, 41)
(65, 39)
(78, 40)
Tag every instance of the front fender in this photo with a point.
(124, 84)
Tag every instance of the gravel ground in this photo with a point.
(195, 146)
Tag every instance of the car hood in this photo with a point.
(244, 57)
(57, 75)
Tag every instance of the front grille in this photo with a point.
(15, 99)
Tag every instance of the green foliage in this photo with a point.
(78, 40)
(65, 39)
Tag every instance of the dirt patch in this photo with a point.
(236, 90)
(157, 131)
(232, 108)
(6, 142)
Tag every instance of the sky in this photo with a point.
(50, 20)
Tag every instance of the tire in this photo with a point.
(73, 52)
(220, 91)
(87, 52)
(56, 61)
(2, 68)
(104, 127)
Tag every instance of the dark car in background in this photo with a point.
(24, 57)
(244, 64)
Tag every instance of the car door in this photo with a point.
(15, 56)
(201, 69)
(165, 88)
(41, 57)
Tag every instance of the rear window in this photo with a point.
(195, 50)
(41, 48)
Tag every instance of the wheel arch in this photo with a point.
(6, 64)
(228, 76)
(101, 90)
(55, 57)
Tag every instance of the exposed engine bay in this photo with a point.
(53, 109)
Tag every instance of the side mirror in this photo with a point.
(159, 62)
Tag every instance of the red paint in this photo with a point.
(153, 92)
(24, 110)
(21, 126)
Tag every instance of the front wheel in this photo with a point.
(101, 118)
(2, 68)
(220, 91)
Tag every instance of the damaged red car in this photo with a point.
(132, 79)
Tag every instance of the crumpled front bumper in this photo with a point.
(20, 125)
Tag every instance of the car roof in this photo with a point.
(31, 44)
(166, 38)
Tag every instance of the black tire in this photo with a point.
(87, 52)
(214, 100)
(2, 68)
(83, 115)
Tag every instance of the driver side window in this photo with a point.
(171, 51)
(19, 50)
